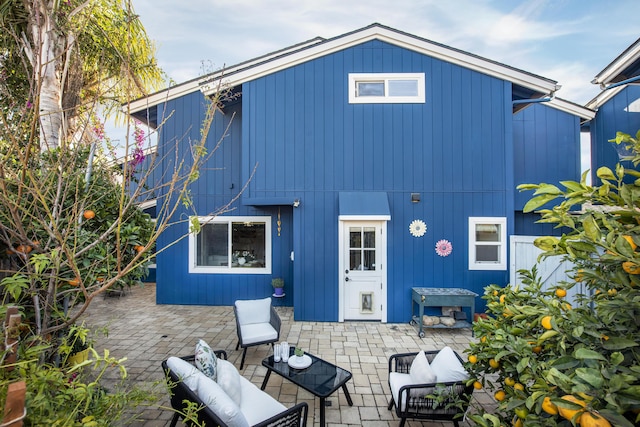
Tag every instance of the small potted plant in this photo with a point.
(278, 286)
(76, 345)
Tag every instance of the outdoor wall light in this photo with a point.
(296, 203)
(415, 197)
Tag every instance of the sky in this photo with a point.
(569, 41)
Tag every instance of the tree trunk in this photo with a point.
(47, 59)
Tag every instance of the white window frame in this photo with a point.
(502, 244)
(355, 78)
(228, 269)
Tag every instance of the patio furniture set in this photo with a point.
(424, 385)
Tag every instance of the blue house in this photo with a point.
(362, 165)
(617, 107)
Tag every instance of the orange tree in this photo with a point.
(551, 362)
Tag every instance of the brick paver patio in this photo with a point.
(147, 333)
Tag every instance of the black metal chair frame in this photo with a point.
(295, 416)
(274, 321)
(422, 401)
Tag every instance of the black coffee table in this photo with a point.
(320, 379)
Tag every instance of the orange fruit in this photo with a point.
(579, 277)
(549, 407)
(502, 298)
(500, 395)
(631, 267)
(591, 419)
(473, 359)
(612, 292)
(546, 322)
(25, 249)
(518, 386)
(561, 293)
(494, 363)
(518, 423)
(74, 282)
(537, 349)
(569, 413)
(509, 381)
(139, 248)
(631, 242)
(89, 214)
(477, 385)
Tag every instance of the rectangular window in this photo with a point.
(487, 243)
(386, 88)
(231, 244)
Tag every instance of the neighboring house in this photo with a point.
(368, 149)
(617, 107)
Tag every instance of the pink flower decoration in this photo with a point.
(443, 247)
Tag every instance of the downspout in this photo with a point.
(533, 100)
(623, 82)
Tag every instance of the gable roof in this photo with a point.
(624, 69)
(528, 84)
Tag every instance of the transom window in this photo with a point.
(386, 88)
(487, 243)
(231, 244)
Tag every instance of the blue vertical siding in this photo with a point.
(619, 114)
(297, 130)
(546, 149)
(221, 179)
(450, 149)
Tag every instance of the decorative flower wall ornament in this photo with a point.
(417, 228)
(443, 247)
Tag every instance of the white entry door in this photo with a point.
(363, 277)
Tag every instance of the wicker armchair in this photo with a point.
(438, 401)
(295, 416)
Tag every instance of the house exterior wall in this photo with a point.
(306, 142)
(546, 149)
(310, 143)
(621, 113)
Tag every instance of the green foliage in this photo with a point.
(536, 345)
(73, 395)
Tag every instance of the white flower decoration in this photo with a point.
(417, 228)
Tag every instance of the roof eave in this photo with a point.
(445, 53)
(618, 65)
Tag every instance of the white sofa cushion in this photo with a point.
(257, 405)
(447, 366)
(420, 371)
(229, 380)
(188, 373)
(257, 332)
(206, 359)
(398, 380)
(217, 400)
(253, 311)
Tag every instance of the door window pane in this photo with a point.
(362, 248)
(369, 237)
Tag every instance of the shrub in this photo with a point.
(556, 363)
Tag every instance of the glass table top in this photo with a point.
(321, 378)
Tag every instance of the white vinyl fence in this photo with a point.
(551, 270)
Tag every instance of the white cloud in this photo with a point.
(565, 40)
